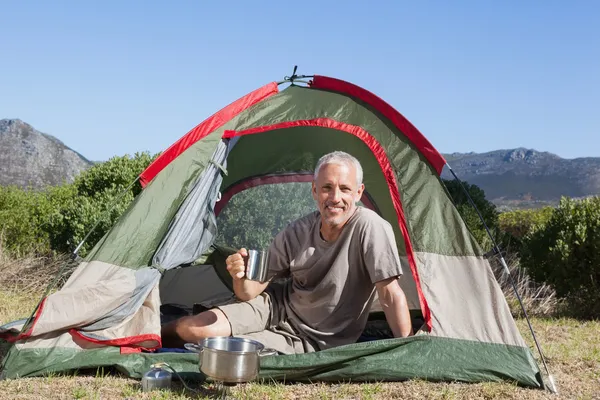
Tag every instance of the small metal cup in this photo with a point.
(257, 265)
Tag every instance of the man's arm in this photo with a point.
(243, 288)
(246, 289)
(394, 304)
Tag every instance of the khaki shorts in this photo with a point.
(263, 319)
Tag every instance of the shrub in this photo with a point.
(101, 195)
(115, 175)
(565, 252)
(57, 219)
(23, 215)
(519, 223)
(515, 225)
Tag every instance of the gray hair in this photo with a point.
(340, 158)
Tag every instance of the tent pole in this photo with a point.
(292, 78)
(496, 249)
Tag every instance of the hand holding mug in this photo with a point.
(236, 264)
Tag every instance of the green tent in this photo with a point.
(163, 249)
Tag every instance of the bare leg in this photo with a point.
(195, 327)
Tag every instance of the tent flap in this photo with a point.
(194, 227)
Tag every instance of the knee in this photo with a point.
(209, 323)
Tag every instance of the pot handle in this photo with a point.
(196, 348)
(267, 352)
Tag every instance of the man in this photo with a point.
(337, 258)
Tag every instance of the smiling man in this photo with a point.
(327, 268)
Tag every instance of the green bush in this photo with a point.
(102, 194)
(565, 252)
(114, 175)
(20, 221)
(58, 218)
(515, 225)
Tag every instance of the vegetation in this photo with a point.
(537, 297)
(57, 219)
(21, 220)
(565, 252)
(517, 224)
(101, 194)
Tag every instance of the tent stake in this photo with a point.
(552, 385)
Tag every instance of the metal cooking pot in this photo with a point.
(229, 359)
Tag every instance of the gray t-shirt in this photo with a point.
(332, 286)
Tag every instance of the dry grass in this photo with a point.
(32, 274)
(572, 349)
(537, 299)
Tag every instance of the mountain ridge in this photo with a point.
(526, 175)
(33, 159)
(519, 177)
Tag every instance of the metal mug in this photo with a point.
(257, 265)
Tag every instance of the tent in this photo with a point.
(163, 249)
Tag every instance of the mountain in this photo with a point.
(526, 177)
(513, 178)
(29, 158)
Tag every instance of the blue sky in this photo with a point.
(117, 77)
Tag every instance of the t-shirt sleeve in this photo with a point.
(379, 250)
(279, 260)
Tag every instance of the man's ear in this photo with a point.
(359, 192)
(314, 190)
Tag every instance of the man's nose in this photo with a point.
(335, 195)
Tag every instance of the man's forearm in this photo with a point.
(394, 304)
(246, 290)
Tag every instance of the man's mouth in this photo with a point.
(334, 209)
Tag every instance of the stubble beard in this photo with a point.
(338, 220)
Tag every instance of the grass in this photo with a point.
(572, 348)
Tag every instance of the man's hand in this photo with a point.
(244, 289)
(393, 301)
(236, 264)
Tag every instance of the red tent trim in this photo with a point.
(204, 128)
(130, 341)
(271, 179)
(409, 130)
(38, 313)
(379, 153)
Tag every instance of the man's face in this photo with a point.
(336, 192)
